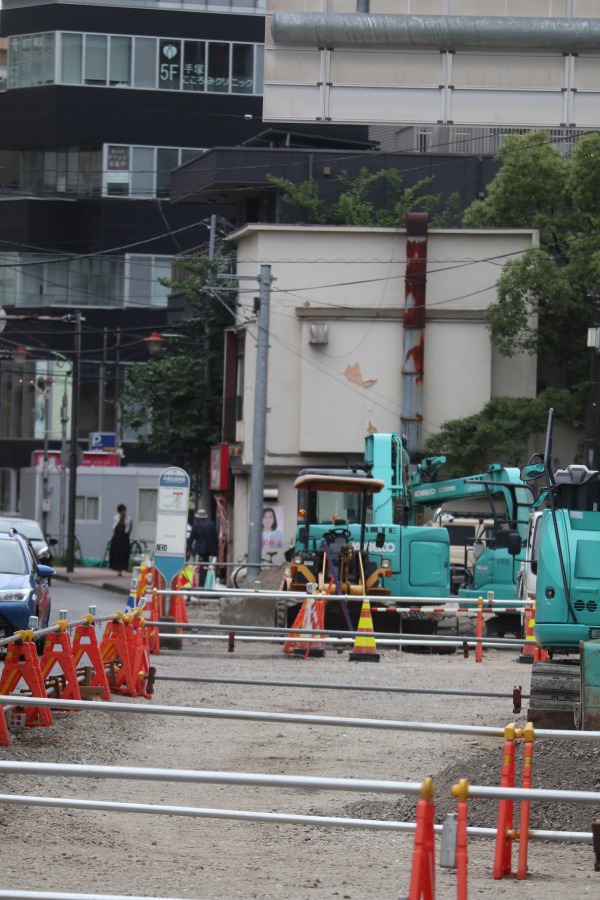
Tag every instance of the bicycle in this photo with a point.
(239, 575)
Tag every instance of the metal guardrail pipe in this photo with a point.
(337, 633)
(387, 641)
(330, 686)
(251, 591)
(253, 816)
(53, 895)
(201, 712)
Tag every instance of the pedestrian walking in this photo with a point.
(204, 541)
(118, 557)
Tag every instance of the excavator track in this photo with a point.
(554, 698)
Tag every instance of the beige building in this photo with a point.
(456, 63)
(337, 345)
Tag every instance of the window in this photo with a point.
(147, 498)
(169, 73)
(117, 170)
(141, 280)
(194, 66)
(166, 161)
(218, 67)
(144, 64)
(120, 62)
(87, 508)
(123, 61)
(95, 65)
(71, 58)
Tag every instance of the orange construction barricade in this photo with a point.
(114, 649)
(58, 654)
(310, 618)
(528, 735)
(86, 654)
(4, 735)
(22, 664)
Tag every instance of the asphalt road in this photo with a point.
(77, 599)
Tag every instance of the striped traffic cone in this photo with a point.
(364, 644)
(527, 654)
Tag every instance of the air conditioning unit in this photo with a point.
(318, 333)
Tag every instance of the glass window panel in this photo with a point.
(72, 169)
(147, 499)
(144, 71)
(188, 154)
(166, 161)
(218, 67)
(160, 292)
(142, 172)
(242, 69)
(120, 61)
(117, 170)
(259, 69)
(138, 284)
(56, 282)
(194, 66)
(169, 73)
(90, 172)
(71, 58)
(36, 58)
(80, 508)
(96, 50)
(48, 59)
(25, 61)
(14, 61)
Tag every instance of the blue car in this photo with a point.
(24, 588)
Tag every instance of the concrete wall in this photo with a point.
(323, 399)
(111, 486)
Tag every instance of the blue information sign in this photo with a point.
(171, 522)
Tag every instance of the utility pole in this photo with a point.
(591, 441)
(74, 447)
(257, 478)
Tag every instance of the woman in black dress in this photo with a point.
(118, 557)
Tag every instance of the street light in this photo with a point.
(155, 343)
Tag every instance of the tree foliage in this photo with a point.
(174, 400)
(499, 433)
(545, 297)
(356, 202)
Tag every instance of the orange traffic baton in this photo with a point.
(528, 735)
(505, 834)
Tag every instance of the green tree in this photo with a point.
(174, 400)
(499, 433)
(545, 297)
(355, 204)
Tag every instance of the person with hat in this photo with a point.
(204, 541)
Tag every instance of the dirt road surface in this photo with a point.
(167, 856)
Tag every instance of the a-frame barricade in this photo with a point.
(139, 652)
(22, 664)
(4, 735)
(114, 649)
(86, 653)
(58, 653)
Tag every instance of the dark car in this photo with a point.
(24, 588)
(30, 529)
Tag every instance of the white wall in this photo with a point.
(323, 399)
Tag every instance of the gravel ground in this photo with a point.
(208, 859)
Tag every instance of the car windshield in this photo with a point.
(12, 558)
(26, 527)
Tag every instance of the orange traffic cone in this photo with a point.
(527, 654)
(364, 646)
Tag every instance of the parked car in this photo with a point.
(31, 530)
(24, 587)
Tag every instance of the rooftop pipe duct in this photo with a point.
(441, 32)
